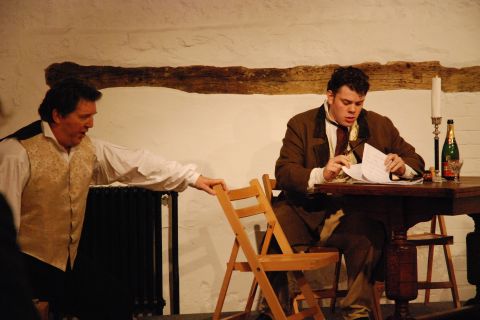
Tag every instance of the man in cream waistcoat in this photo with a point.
(46, 169)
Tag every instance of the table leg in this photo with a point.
(473, 258)
(401, 282)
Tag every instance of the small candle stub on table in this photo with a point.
(432, 175)
(427, 175)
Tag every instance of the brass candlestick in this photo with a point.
(436, 121)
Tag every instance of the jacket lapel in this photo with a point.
(362, 137)
(321, 149)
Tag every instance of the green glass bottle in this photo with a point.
(449, 151)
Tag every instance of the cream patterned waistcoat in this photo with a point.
(54, 200)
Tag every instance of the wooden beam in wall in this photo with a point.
(272, 81)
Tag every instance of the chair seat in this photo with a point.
(426, 239)
(320, 249)
(293, 261)
(434, 285)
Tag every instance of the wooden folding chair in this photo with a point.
(260, 263)
(270, 185)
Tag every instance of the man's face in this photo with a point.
(71, 129)
(345, 105)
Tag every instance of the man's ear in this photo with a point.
(330, 96)
(56, 116)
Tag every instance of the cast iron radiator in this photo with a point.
(122, 233)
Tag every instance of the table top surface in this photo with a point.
(468, 187)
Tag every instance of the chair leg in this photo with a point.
(451, 276)
(226, 281)
(251, 295)
(377, 294)
(450, 269)
(295, 304)
(431, 251)
(336, 279)
(270, 296)
(309, 295)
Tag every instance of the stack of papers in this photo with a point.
(372, 169)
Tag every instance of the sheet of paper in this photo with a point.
(355, 171)
(372, 169)
(373, 165)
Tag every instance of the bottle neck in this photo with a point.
(450, 133)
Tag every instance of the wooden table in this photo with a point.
(403, 206)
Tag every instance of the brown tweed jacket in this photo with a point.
(305, 146)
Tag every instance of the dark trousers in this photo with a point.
(360, 238)
(84, 291)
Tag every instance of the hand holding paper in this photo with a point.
(372, 169)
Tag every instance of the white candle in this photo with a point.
(436, 95)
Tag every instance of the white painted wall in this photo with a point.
(233, 136)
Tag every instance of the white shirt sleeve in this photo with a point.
(409, 172)
(316, 177)
(140, 168)
(14, 174)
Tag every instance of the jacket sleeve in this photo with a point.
(391, 142)
(290, 170)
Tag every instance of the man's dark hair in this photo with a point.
(351, 77)
(64, 97)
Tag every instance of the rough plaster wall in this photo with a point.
(231, 136)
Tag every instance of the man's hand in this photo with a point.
(206, 184)
(395, 164)
(334, 166)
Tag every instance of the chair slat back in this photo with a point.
(262, 206)
(269, 185)
(231, 214)
(242, 193)
(250, 211)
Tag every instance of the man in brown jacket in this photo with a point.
(310, 154)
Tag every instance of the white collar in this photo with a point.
(48, 133)
(353, 130)
(327, 113)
